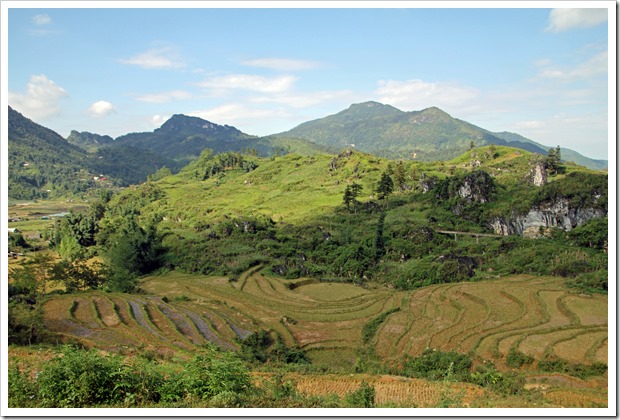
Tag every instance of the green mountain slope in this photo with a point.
(41, 163)
(88, 141)
(183, 138)
(430, 134)
(223, 214)
(40, 159)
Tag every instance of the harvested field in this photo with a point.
(388, 389)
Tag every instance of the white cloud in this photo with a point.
(234, 113)
(529, 125)
(250, 82)
(42, 19)
(595, 66)
(584, 133)
(164, 97)
(303, 100)
(101, 109)
(565, 19)
(282, 64)
(41, 100)
(157, 120)
(156, 58)
(418, 94)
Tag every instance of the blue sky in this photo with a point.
(542, 73)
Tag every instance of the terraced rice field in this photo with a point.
(535, 315)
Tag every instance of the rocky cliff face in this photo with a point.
(538, 174)
(557, 214)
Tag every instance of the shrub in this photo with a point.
(596, 282)
(22, 391)
(215, 372)
(506, 383)
(516, 359)
(578, 370)
(363, 397)
(79, 378)
(438, 365)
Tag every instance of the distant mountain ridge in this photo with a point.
(42, 163)
(429, 134)
(567, 154)
(183, 138)
(88, 141)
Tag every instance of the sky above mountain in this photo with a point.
(540, 72)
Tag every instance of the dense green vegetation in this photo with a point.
(247, 211)
(77, 378)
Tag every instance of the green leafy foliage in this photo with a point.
(517, 359)
(506, 383)
(261, 347)
(79, 379)
(363, 397)
(581, 189)
(574, 369)
(214, 372)
(592, 234)
(437, 365)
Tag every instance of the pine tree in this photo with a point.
(351, 193)
(399, 176)
(385, 186)
(553, 159)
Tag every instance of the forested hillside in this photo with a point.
(356, 218)
(42, 164)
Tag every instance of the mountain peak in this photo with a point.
(433, 110)
(372, 106)
(181, 122)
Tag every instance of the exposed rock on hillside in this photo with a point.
(558, 214)
(474, 187)
(538, 174)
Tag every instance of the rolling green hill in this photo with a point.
(289, 213)
(428, 135)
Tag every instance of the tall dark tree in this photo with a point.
(351, 193)
(399, 176)
(385, 186)
(554, 157)
(131, 251)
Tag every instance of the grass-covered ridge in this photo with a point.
(225, 213)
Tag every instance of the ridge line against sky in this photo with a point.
(540, 72)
